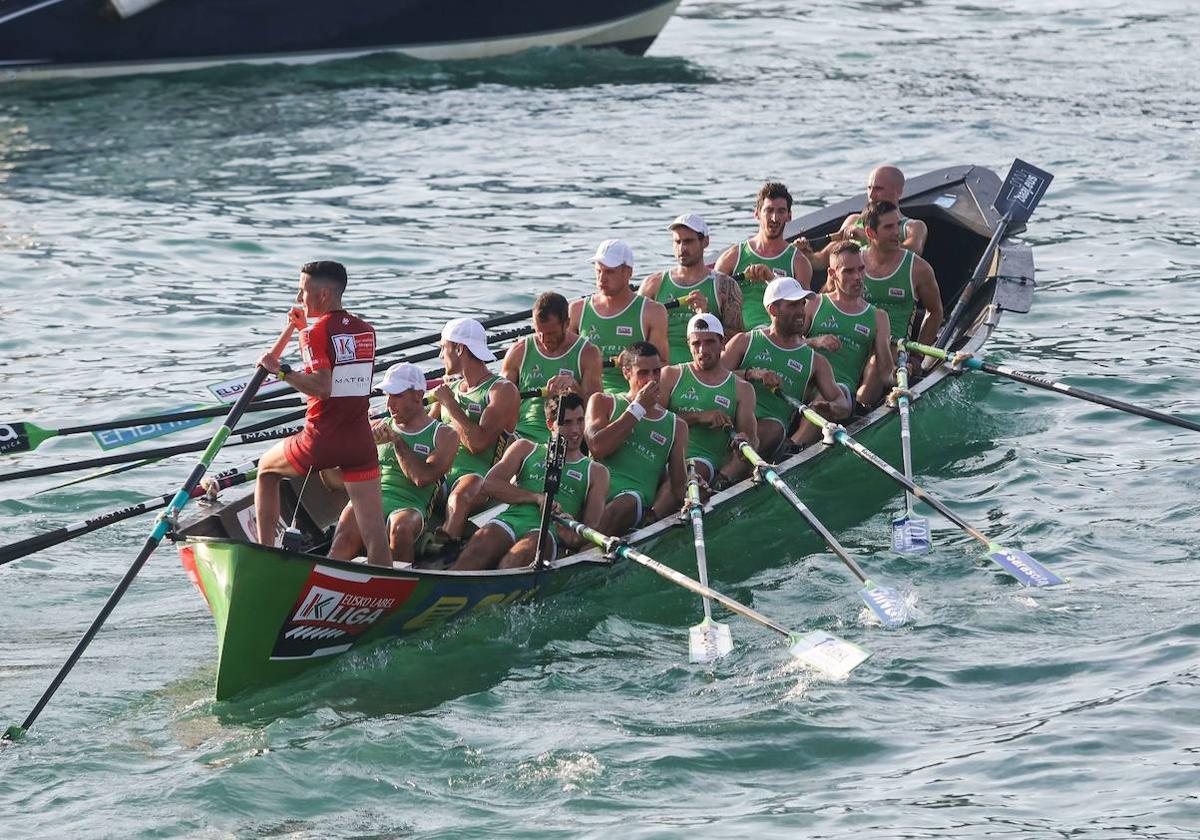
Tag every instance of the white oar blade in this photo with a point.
(1023, 567)
(888, 604)
(910, 535)
(827, 654)
(708, 641)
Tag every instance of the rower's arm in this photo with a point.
(424, 471)
(604, 437)
(497, 484)
(575, 313)
(916, 233)
(317, 384)
(591, 366)
(511, 368)
(827, 386)
(744, 420)
(802, 269)
(651, 285)
(735, 352)
(654, 322)
(885, 362)
(727, 262)
(930, 297)
(729, 301)
(671, 492)
(598, 483)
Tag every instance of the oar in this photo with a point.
(30, 545)
(910, 533)
(708, 640)
(887, 604)
(24, 436)
(556, 458)
(1050, 385)
(1014, 561)
(1020, 193)
(162, 525)
(824, 652)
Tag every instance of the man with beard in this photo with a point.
(897, 279)
(519, 480)
(712, 401)
(856, 330)
(415, 453)
(554, 358)
(614, 317)
(767, 255)
(778, 358)
(642, 444)
(705, 290)
(482, 409)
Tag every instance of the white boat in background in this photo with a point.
(87, 38)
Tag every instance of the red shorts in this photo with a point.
(354, 451)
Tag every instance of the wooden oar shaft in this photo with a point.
(1057, 387)
(843, 437)
(160, 529)
(615, 546)
(776, 481)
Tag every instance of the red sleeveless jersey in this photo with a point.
(344, 344)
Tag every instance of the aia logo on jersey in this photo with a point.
(359, 347)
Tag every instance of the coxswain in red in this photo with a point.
(338, 350)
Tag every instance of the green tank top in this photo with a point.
(474, 403)
(690, 394)
(572, 486)
(895, 295)
(754, 314)
(678, 317)
(536, 370)
(612, 334)
(639, 463)
(857, 334)
(793, 366)
(391, 476)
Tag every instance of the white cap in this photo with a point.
(469, 332)
(612, 253)
(690, 221)
(705, 322)
(785, 288)
(401, 377)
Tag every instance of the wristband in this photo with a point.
(636, 410)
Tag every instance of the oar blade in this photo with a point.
(827, 654)
(911, 535)
(22, 437)
(708, 641)
(13, 733)
(1025, 569)
(888, 604)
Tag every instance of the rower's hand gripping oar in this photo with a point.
(910, 533)
(708, 640)
(161, 526)
(965, 360)
(1014, 561)
(823, 652)
(556, 457)
(1020, 193)
(886, 603)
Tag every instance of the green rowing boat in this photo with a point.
(281, 612)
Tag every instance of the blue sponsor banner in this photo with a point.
(116, 438)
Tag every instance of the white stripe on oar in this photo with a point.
(708, 640)
(910, 533)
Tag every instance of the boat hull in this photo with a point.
(68, 38)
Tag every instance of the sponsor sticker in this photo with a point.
(115, 438)
(358, 347)
(352, 380)
(565, 372)
(229, 390)
(796, 365)
(12, 438)
(896, 293)
(625, 331)
(659, 438)
(575, 474)
(420, 449)
(722, 400)
(862, 329)
(474, 408)
(334, 608)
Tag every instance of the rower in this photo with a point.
(897, 280)
(768, 248)
(706, 290)
(339, 357)
(482, 408)
(613, 316)
(712, 401)
(519, 480)
(777, 358)
(642, 444)
(847, 330)
(415, 453)
(554, 359)
(885, 183)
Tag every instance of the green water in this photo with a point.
(151, 228)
